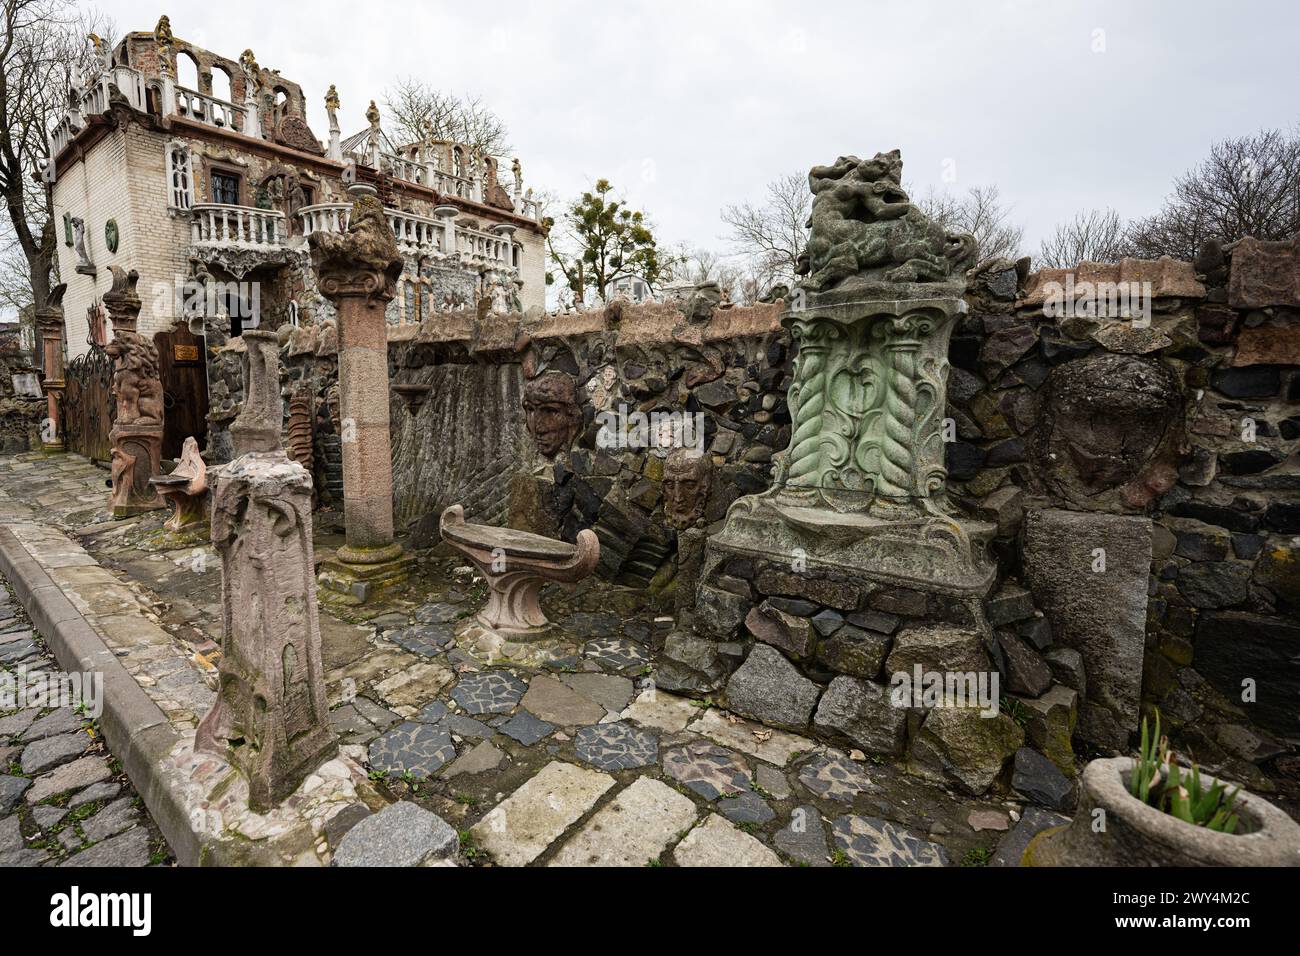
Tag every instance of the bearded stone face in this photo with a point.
(552, 414)
(687, 477)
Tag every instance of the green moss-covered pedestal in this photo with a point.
(357, 574)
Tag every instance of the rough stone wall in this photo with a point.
(1193, 422)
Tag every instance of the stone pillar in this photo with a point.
(137, 433)
(270, 719)
(358, 271)
(49, 323)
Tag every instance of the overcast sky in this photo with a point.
(689, 106)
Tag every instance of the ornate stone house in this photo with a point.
(202, 173)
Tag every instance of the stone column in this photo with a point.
(49, 323)
(358, 271)
(137, 433)
(270, 719)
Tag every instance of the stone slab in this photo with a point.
(520, 828)
(634, 828)
(718, 843)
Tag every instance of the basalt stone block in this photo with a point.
(861, 712)
(793, 606)
(718, 613)
(828, 622)
(1235, 646)
(1066, 666)
(959, 746)
(1038, 779)
(767, 688)
(963, 460)
(1010, 604)
(1249, 462)
(1283, 516)
(1101, 614)
(691, 664)
(840, 595)
(1024, 672)
(875, 621)
(1037, 632)
(1211, 545)
(1215, 584)
(1224, 517)
(786, 632)
(901, 601)
(855, 651)
(937, 649)
(1254, 381)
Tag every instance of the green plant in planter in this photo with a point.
(1181, 796)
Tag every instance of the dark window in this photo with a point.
(225, 188)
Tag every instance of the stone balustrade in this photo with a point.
(93, 100)
(242, 227)
(415, 233)
(209, 109)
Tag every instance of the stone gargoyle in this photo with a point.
(864, 227)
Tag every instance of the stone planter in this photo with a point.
(1136, 834)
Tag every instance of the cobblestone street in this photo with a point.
(63, 796)
(580, 762)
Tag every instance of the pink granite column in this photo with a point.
(358, 271)
(49, 322)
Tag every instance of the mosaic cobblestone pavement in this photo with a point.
(437, 726)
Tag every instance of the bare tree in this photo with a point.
(420, 112)
(773, 234)
(1249, 186)
(1095, 236)
(44, 44)
(979, 212)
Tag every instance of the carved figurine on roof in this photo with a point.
(864, 230)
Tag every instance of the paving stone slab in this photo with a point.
(616, 746)
(835, 777)
(773, 781)
(126, 849)
(49, 753)
(98, 791)
(746, 807)
(11, 791)
(661, 710)
(708, 769)
(418, 749)
(16, 723)
(870, 841)
(775, 746)
(438, 613)
(112, 819)
(480, 759)
(717, 842)
(617, 654)
(526, 728)
(520, 828)
(556, 702)
(47, 816)
(401, 834)
(1012, 846)
(634, 828)
(61, 721)
(609, 690)
(489, 692)
(427, 640)
(804, 837)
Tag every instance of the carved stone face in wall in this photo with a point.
(687, 477)
(552, 412)
(1110, 424)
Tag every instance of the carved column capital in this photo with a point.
(363, 262)
(121, 300)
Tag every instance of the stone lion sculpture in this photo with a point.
(864, 226)
(136, 385)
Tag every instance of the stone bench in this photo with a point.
(186, 489)
(516, 565)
